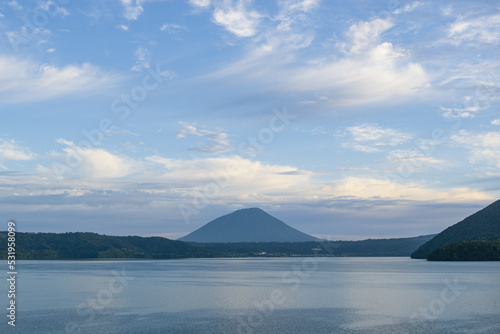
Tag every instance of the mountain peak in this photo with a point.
(249, 210)
(247, 225)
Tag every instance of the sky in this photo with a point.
(345, 119)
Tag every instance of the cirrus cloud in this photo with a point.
(373, 138)
(484, 149)
(10, 150)
(22, 80)
(237, 19)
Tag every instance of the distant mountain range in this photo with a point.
(82, 245)
(253, 232)
(247, 225)
(85, 245)
(243, 233)
(482, 225)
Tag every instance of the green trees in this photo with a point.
(58, 246)
(479, 250)
(79, 245)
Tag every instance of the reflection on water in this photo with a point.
(282, 295)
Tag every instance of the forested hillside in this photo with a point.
(482, 225)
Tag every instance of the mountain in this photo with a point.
(482, 225)
(80, 245)
(247, 225)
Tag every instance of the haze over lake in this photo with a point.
(265, 295)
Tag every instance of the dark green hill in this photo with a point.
(482, 225)
(80, 245)
(247, 225)
(478, 250)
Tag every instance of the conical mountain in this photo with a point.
(482, 225)
(247, 225)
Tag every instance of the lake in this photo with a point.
(255, 295)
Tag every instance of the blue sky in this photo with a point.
(347, 120)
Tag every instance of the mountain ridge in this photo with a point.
(481, 225)
(91, 246)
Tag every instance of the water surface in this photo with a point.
(264, 295)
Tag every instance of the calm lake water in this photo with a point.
(265, 295)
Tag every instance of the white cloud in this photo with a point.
(372, 138)
(477, 29)
(133, 8)
(171, 28)
(237, 20)
(319, 130)
(447, 11)
(228, 181)
(496, 122)
(221, 179)
(415, 158)
(489, 139)
(462, 112)
(169, 164)
(274, 47)
(200, 3)
(53, 9)
(189, 129)
(143, 58)
(299, 5)
(51, 50)
(269, 57)
(293, 17)
(27, 35)
(10, 150)
(94, 163)
(373, 132)
(122, 27)
(382, 74)
(363, 35)
(366, 188)
(370, 71)
(476, 85)
(484, 149)
(14, 4)
(216, 142)
(22, 80)
(408, 8)
(238, 178)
